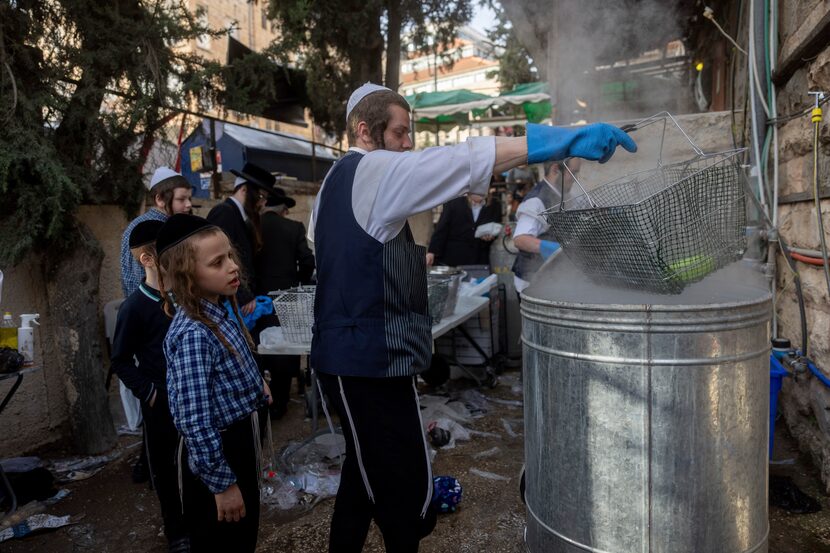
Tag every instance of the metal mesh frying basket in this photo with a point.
(438, 292)
(295, 310)
(658, 230)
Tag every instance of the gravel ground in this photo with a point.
(115, 515)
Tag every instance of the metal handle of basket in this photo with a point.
(278, 298)
(663, 116)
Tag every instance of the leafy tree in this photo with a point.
(341, 45)
(84, 88)
(515, 64)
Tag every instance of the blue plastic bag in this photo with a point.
(446, 494)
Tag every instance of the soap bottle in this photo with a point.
(8, 332)
(26, 338)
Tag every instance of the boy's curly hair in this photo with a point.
(178, 276)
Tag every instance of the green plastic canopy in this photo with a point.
(447, 109)
(533, 97)
(431, 105)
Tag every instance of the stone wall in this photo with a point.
(37, 416)
(805, 402)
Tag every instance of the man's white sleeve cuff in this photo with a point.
(482, 161)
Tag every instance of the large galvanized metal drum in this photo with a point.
(646, 417)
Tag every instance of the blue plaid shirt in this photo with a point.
(209, 388)
(132, 273)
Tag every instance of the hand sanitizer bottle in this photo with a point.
(26, 338)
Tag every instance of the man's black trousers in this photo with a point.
(387, 474)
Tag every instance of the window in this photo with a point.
(461, 82)
(202, 41)
(264, 20)
(233, 27)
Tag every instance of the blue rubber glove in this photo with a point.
(596, 142)
(264, 306)
(547, 248)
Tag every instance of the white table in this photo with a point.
(467, 307)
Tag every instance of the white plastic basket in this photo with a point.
(295, 310)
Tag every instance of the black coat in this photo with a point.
(453, 240)
(285, 260)
(228, 217)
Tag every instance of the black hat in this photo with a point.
(179, 227)
(278, 197)
(253, 174)
(145, 233)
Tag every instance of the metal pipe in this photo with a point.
(759, 121)
(805, 251)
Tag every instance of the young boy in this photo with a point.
(170, 193)
(213, 385)
(139, 336)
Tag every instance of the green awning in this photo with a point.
(431, 105)
(533, 97)
(450, 108)
(527, 92)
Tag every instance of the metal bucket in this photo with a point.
(646, 417)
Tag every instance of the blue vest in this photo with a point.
(370, 308)
(527, 264)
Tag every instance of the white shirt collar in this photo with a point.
(358, 150)
(241, 208)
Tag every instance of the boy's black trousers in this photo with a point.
(161, 439)
(206, 532)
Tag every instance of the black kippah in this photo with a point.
(145, 233)
(178, 228)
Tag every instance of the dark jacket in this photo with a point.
(453, 240)
(139, 335)
(228, 217)
(285, 260)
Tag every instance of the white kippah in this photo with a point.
(361, 93)
(239, 181)
(162, 173)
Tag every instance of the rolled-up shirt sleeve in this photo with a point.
(189, 365)
(528, 218)
(391, 186)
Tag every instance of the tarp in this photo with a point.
(276, 152)
(286, 143)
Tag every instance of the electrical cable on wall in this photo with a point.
(816, 120)
(709, 14)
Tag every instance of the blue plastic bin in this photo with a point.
(776, 377)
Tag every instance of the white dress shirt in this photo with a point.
(389, 186)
